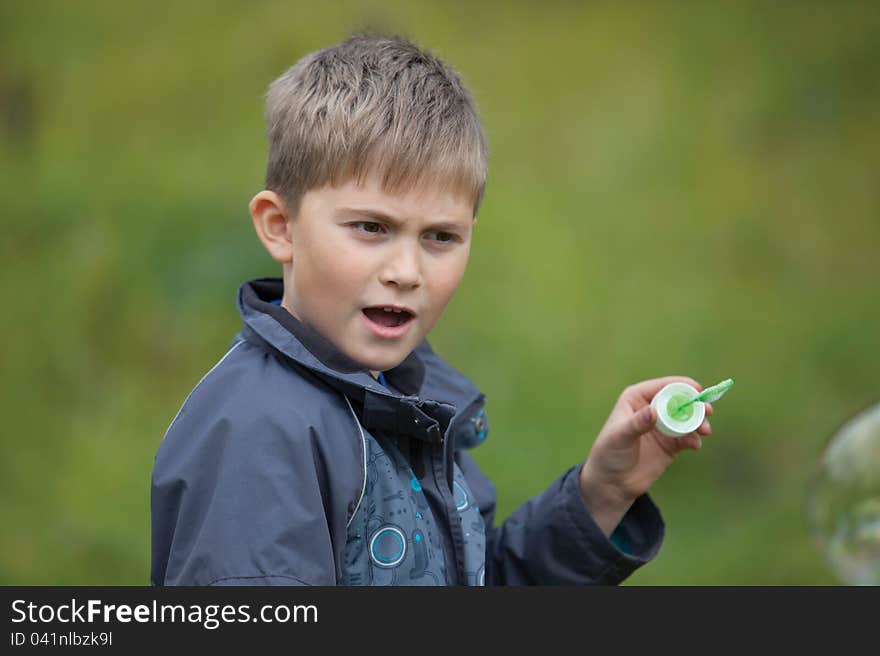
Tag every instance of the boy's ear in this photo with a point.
(269, 214)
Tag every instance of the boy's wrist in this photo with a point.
(607, 504)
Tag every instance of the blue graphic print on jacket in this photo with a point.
(392, 539)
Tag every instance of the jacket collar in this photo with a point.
(258, 295)
(431, 391)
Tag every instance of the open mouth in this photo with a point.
(388, 317)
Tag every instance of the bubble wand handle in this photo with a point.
(710, 393)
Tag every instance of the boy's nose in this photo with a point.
(403, 268)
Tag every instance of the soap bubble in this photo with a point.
(843, 500)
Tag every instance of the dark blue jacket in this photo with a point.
(290, 464)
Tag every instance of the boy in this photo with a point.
(330, 444)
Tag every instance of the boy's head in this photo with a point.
(377, 166)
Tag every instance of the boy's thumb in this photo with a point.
(639, 424)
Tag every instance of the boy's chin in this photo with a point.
(383, 363)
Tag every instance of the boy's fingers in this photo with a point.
(705, 428)
(709, 409)
(693, 441)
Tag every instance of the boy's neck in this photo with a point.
(375, 374)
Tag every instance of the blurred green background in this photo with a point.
(675, 188)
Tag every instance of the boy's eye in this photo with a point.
(368, 226)
(443, 237)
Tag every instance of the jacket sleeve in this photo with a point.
(551, 539)
(238, 498)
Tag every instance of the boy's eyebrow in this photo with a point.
(382, 216)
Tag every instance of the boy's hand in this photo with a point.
(630, 453)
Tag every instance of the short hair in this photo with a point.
(373, 105)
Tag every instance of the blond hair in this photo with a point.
(373, 105)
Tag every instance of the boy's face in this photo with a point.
(357, 250)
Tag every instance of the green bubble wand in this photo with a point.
(707, 395)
